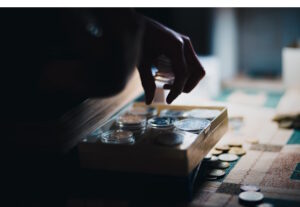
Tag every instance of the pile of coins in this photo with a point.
(250, 195)
(133, 123)
(220, 158)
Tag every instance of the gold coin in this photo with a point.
(223, 148)
(252, 140)
(237, 151)
(216, 152)
(235, 144)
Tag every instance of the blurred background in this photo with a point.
(238, 45)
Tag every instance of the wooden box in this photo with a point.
(146, 157)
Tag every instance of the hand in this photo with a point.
(160, 40)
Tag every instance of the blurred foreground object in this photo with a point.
(288, 110)
(291, 65)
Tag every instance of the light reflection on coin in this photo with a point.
(216, 152)
(216, 173)
(250, 188)
(161, 122)
(192, 124)
(228, 157)
(220, 165)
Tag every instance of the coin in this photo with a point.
(169, 138)
(207, 157)
(220, 165)
(216, 152)
(213, 159)
(216, 173)
(249, 188)
(203, 113)
(285, 124)
(252, 140)
(228, 157)
(211, 178)
(161, 122)
(237, 151)
(117, 137)
(223, 148)
(192, 124)
(250, 196)
(235, 144)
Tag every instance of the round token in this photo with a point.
(228, 157)
(235, 144)
(220, 165)
(250, 188)
(117, 137)
(223, 148)
(216, 152)
(237, 151)
(216, 173)
(211, 178)
(207, 157)
(192, 124)
(250, 196)
(213, 159)
(252, 140)
(169, 139)
(161, 122)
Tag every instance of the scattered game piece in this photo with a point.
(251, 197)
(252, 140)
(220, 165)
(216, 173)
(192, 124)
(237, 151)
(169, 139)
(223, 148)
(250, 188)
(228, 157)
(117, 137)
(216, 152)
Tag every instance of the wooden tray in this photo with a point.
(146, 157)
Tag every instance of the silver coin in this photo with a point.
(250, 188)
(207, 157)
(250, 196)
(131, 120)
(213, 159)
(228, 157)
(169, 139)
(117, 137)
(220, 165)
(216, 173)
(192, 124)
(161, 122)
(203, 113)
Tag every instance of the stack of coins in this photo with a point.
(161, 123)
(117, 137)
(250, 195)
(133, 123)
(203, 113)
(194, 125)
(216, 168)
(147, 112)
(169, 138)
